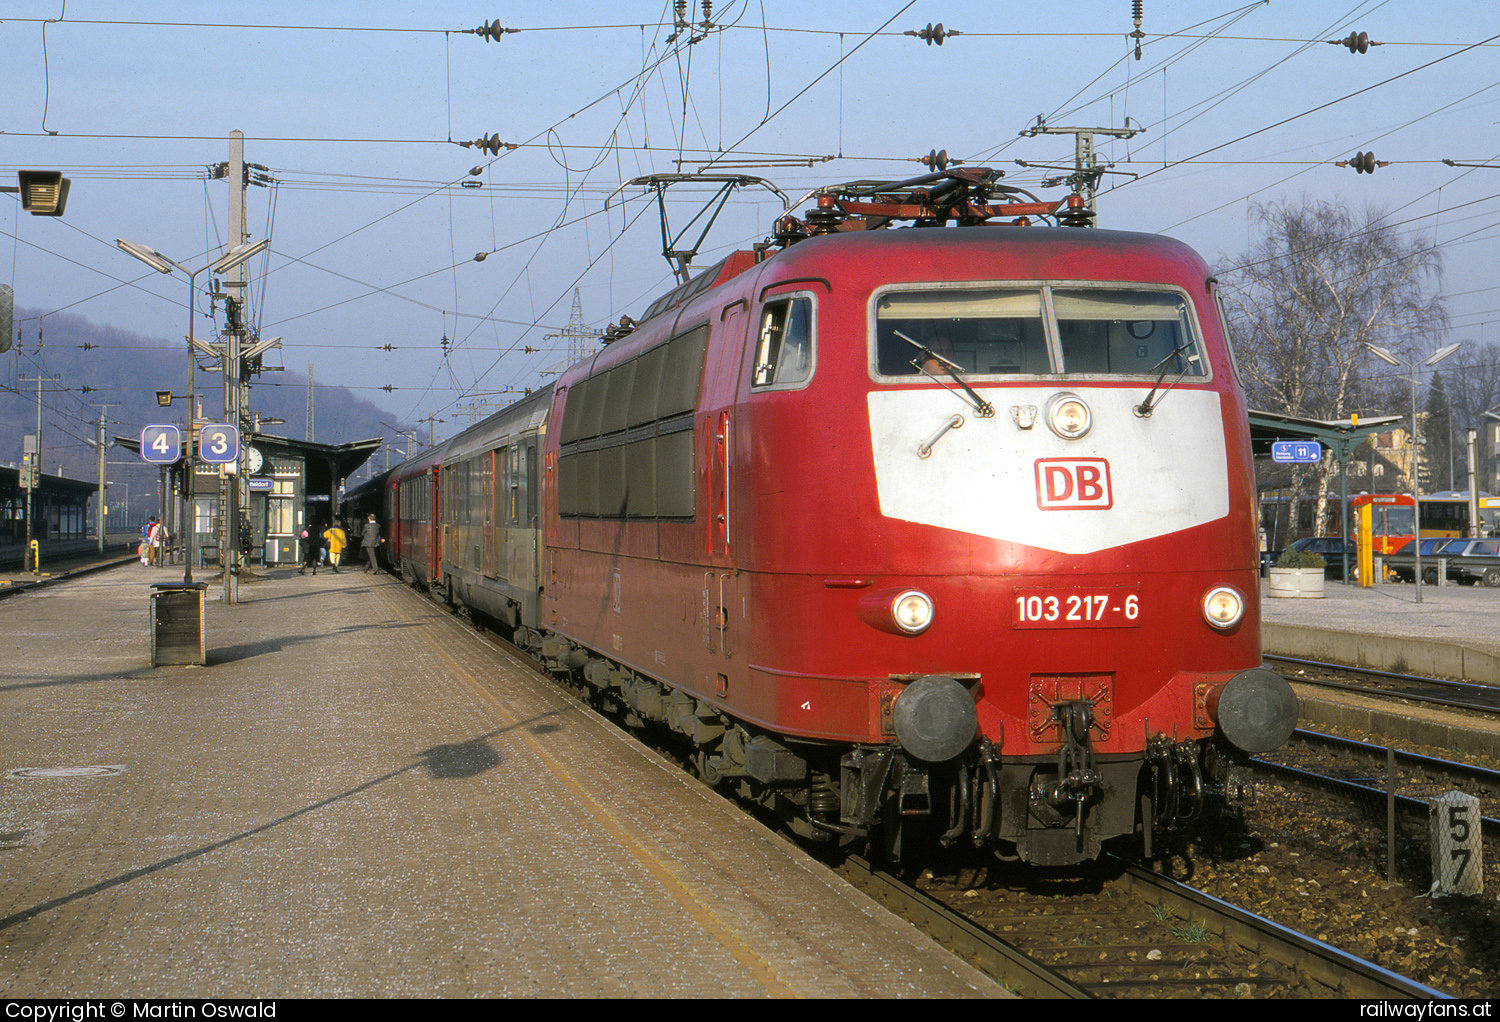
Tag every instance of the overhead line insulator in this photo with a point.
(1356, 43)
(937, 159)
(934, 33)
(491, 30)
(490, 144)
(1363, 163)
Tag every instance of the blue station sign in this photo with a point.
(219, 444)
(161, 444)
(1297, 452)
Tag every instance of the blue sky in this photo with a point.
(351, 107)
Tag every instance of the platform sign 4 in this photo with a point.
(219, 444)
(161, 445)
(1297, 452)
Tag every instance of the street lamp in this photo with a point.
(43, 192)
(1416, 448)
(162, 264)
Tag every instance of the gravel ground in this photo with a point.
(1317, 863)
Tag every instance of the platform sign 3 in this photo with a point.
(219, 444)
(1297, 452)
(161, 445)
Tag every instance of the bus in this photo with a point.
(1447, 514)
(1443, 514)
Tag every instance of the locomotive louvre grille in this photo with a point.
(627, 436)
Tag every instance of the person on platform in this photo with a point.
(310, 549)
(371, 541)
(156, 542)
(336, 539)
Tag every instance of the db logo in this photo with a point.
(1073, 484)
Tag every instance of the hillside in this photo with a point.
(97, 364)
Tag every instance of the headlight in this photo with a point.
(1068, 416)
(912, 612)
(1223, 607)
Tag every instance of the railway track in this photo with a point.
(30, 585)
(1137, 934)
(1364, 770)
(1461, 695)
(1124, 932)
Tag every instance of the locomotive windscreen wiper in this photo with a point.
(1145, 408)
(981, 407)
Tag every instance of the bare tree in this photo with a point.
(1319, 284)
(1473, 389)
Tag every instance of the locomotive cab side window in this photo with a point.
(784, 350)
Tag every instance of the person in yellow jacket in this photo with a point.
(335, 539)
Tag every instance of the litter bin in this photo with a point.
(177, 637)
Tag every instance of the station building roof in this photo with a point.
(1341, 435)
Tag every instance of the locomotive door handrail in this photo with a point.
(708, 612)
(721, 620)
(716, 614)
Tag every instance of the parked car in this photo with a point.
(1468, 561)
(1472, 560)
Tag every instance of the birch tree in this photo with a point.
(1320, 283)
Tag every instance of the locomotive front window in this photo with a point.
(981, 332)
(1129, 333)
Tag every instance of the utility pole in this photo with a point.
(34, 475)
(1086, 168)
(242, 350)
(309, 401)
(234, 286)
(99, 512)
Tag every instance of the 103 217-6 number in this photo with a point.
(1097, 608)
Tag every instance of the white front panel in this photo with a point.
(1128, 480)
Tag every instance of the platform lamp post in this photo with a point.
(162, 264)
(164, 399)
(1416, 448)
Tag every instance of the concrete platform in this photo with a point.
(1453, 633)
(358, 797)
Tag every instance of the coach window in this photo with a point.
(984, 332)
(1129, 333)
(784, 351)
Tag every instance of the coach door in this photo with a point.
(487, 487)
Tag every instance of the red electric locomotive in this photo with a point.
(942, 531)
